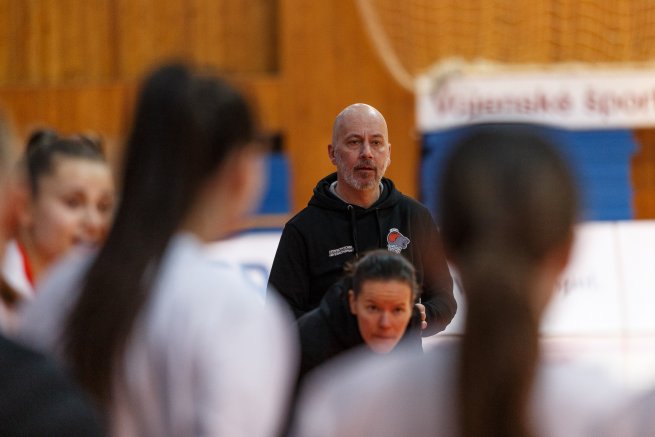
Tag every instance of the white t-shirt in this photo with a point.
(416, 396)
(206, 356)
(13, 272)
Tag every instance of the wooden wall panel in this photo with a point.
(72, 42)
(235, 36)
(22, 20)
(99, 109)
(264, 93)
(106, 109)
(74, 65)
(643, 174)
(222, 35)
(55, 42)
(6, 41)
(148, 31)
(88, 37)
(206, 36)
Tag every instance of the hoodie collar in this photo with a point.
(324, 198)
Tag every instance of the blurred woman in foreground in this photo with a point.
(167, 342)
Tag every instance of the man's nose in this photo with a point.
(366, 149)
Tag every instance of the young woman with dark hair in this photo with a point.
(507, 209)
(166, 341)
(37, 397)
(371, 306)
(68, 198)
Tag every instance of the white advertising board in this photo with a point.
(636, 265)
(572, 98)
(588, 299)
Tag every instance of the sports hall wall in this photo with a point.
(75, 65)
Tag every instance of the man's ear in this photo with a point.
(331, 154)
(352, 300)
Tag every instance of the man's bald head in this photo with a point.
(357, 111)
(360, 150)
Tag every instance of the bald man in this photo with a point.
(356, 210)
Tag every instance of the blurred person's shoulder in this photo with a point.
(38, 399)
(188, 270)
(41, 319)
(191, 282)
(571, 398)
(401, 393)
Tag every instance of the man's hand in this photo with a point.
(421, 309)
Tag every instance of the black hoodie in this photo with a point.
(328, 330)
(318, 241)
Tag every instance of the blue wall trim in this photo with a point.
(600, 160)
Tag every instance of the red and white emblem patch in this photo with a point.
(396, 241)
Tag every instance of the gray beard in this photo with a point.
(360, 185)
(350, 179)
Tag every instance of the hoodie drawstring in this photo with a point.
(353, 228)
(377, 220)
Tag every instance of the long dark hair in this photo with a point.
(507, 200)
(186, 125)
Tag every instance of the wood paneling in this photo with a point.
(55, 42)
(101, 109)
(75, 65)
(72, 42)
(106, 109)
(643, 174)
